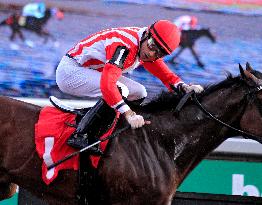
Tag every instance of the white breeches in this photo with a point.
(74, 79)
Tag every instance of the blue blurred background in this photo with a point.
(30, 71)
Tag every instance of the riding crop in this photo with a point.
(87, 147)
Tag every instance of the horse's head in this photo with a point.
(251, 120)
(209, 34)
(57, 13)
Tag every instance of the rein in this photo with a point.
(115, 134)
(246, 135)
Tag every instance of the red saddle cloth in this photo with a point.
(51, 133)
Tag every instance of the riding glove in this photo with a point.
(135, 120)
(188, 88)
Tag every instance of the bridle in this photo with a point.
(249, 96)
(252, 96)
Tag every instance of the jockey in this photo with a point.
(94, 67)
(186, 22)
(36, 10)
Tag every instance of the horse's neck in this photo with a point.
(193, 135)
(47, 16)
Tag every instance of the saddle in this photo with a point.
(66, 108)
(87, 174)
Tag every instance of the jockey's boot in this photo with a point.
(86, 131)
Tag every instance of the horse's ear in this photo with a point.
(242, 71)
(246, 74)
(248, 67)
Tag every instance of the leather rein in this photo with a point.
(251, 95)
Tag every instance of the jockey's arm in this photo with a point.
(159, 69)
(108, 84)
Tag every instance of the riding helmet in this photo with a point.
(193, 21)
(166, 34)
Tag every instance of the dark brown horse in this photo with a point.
(17, 22)
(142, 166)
(188, 39)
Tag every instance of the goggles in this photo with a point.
(152, 45)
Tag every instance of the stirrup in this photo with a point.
(80, 142)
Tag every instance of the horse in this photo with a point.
(188, 39)
(140, 166)
(17, 22)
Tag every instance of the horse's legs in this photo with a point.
(177, 54)
(11, 38)
(14, 32)
(199, 63)
(21, 35)
(7, 190)
(47, 35)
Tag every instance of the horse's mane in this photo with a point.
(48, 13)
(169, 100)
(164, 101)
(230, 80)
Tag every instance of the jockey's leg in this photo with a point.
(136, 91)
(73, 79)
(86, 127)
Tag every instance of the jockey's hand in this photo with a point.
(188, 88)
(134, 120)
